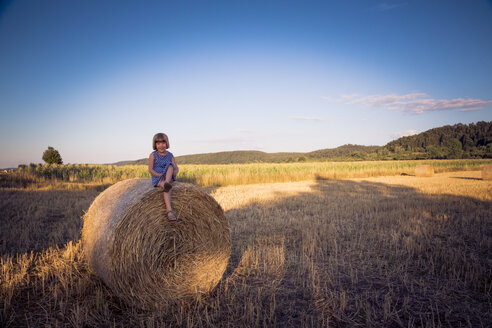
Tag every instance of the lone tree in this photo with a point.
(52, 156)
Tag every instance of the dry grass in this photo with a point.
(37, 219)
(236, 174)
(376, 252)
(466, 183)
(148, 261)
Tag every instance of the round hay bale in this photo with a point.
(146, 260)
(424, 171)
(487, 172)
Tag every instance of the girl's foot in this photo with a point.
(171, 216)
(167, 186)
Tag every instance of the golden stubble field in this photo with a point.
(380, 252)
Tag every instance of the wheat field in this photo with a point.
(398, 251)
(83, 176)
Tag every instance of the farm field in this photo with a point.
(388, 251)
(89, 176)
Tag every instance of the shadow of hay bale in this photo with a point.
(146, 260)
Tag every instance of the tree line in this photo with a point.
(451, 141)
(448, 142)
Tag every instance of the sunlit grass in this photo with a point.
(83, 176)
(239, 174)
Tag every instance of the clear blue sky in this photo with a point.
(97, 79)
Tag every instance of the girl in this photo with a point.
(163, 168)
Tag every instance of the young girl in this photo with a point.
(163, 168)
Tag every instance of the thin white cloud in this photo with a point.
(471, 109)
(246, 131)
(349, 97)
(406, 133)
(378, 101)
(416, 103)
(308, 118)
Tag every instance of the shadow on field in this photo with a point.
(33, 220)
(365, 253)
(467, 178)
(344, 254)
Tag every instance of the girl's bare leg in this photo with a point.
(167, 196)
(169, 174)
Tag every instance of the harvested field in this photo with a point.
(33, 220)
(378, 252)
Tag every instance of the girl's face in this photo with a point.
(161, 146)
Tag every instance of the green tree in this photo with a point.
(52, 156)
(434, 152)
(455, 149)
(357, 155)
(488, 152)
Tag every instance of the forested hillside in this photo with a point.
(456, 141)
(252, 156)
(345, 151)
(239, 156)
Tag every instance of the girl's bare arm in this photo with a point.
(151, 166)
(176, 168)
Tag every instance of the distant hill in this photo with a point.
(456, 141)
(255, 156)
(143, 161)
(450, 141)
(238, 156)
(344, 151)
(252, 156)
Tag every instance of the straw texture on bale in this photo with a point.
(146, 260)
(424, 171)
(487, 172)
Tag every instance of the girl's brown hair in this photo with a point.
(160, 137)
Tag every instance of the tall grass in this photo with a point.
(72, 176)
(228, 174)
(82, 172)
(236, 174)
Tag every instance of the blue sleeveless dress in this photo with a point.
(161, 163)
